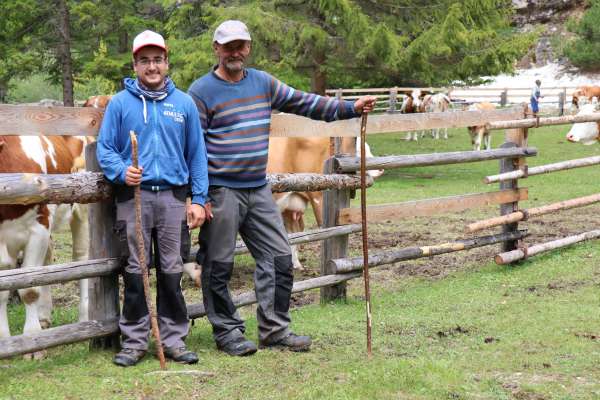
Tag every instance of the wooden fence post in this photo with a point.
(336, 247)
(393, 100)
(562, 96)
(513, 138)
(504, 98)
(103, 291)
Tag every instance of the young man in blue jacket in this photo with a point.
(172, 160)
(235, 105)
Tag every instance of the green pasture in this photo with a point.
(470, 330)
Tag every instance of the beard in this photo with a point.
(234, 65)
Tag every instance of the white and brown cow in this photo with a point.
(480, 134)
(413, 103)
(585, 132)
(25, 230)
(304, 155)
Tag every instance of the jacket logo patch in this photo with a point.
(176, 115)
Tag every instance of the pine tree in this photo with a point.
(584, 51)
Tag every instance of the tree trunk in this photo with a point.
(64, 52)
(319, 77)
(3, 91)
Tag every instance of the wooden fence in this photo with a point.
(339, 218)
(390, 99)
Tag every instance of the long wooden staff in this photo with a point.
(142, 256)
(363, 211)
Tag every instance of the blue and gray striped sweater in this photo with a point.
(236, 119)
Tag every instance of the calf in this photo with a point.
(304, 155)
(480, 133)
(438, 102)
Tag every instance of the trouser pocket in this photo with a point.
(120, 230)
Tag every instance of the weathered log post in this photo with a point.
(561, 102)
(104, 290)
(504, 98)
(393, 100)
(336, 247)
(512, 138)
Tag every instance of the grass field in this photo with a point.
(451, 327)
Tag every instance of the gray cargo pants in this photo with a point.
(254, 214)
(166, 214)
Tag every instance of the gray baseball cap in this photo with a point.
(231, 30)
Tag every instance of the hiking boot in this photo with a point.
(181, 355)
(238, 347)
(128, 357)
(291, 342)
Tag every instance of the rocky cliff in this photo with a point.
(549, 16)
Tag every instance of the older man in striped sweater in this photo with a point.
(235, 105)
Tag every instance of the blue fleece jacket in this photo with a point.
(170, 140)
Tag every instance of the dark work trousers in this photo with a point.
(164, 213)
(254, 214)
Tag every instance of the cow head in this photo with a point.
(97, 101)
(373, 173)
(584, 132)
(575, 99)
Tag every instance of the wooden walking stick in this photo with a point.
(142, 255)
(363, 212)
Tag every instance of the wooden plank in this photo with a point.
(37, 120)
(289, 125)
(386, 212)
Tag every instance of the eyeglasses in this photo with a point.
(146, 61)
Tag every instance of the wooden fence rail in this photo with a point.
(544, 169)
(343, 265)
(352, 164)
(522, 253)
(90, 187)
(521, 215)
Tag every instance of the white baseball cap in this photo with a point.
(148, 38)
(231, 30)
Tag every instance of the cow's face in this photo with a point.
(97, 101)
(584, 132)
(373, 173)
